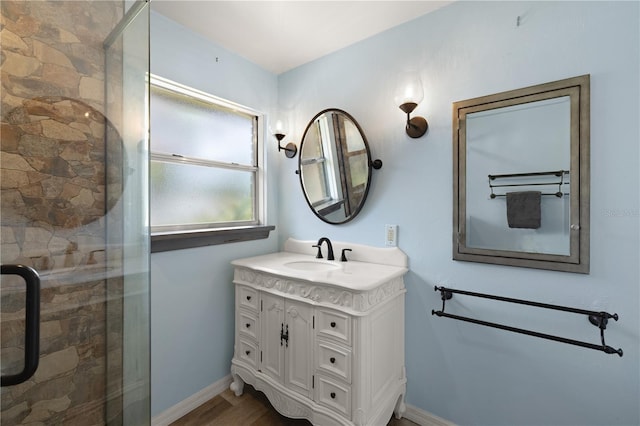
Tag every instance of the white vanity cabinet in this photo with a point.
(286, 342)
(323, 346)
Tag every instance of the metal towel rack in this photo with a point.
(599, 319)
(557, 173)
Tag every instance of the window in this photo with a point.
(205, 169)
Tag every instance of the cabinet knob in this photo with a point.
(247, 352)
(333, 324)
(247, 325)
(332, 360)
(333, 395)
(248, 297)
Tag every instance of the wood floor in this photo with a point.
(250, 409)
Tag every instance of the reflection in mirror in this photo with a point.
(516, 166)
(334, 166)
(521, 173)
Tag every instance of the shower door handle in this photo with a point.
(32, 323)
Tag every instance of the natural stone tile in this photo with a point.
(97, 129)
(14, 162)
(19, 65)
(84, 128)
(56, 364)
(91, 88)
(47, 107)
(9, 101)
(42, 410)
(77, 151)
(51, 389)
(84, 198)
(7, 235)
(25, 87)
(70, 190)
(48, 55)
(24, 25)
(35, 177)
(56, 130)
(67, 37)
(33, 128)
(52, 187)
(12, 42)
(10, 138)
(16, 413)
(14, 9)
(13, 178)
(12, 203)
(57, 245)
(63, 76)
(36, 146)
(31, 191)
(12, 357)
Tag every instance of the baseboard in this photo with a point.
(424, 418)
(189, 404)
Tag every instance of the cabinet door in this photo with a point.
(298, 353)
(272, 345)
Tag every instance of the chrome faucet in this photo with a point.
(329, 248)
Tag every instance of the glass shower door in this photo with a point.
(74, 211)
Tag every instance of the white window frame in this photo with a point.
(164, 238)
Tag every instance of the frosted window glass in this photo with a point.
(315, 182)
(359, 168)
(193, 128)
(186, 193)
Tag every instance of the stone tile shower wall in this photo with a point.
(53, 187)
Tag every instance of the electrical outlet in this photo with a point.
(391, 235)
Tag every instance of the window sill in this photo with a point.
(167, 241)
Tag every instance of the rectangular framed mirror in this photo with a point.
(521, 177)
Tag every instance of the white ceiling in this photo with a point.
(281, 35)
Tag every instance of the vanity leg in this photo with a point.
(237, 385)
(401, 407)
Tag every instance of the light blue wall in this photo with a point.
(191, 290)
(463, 372)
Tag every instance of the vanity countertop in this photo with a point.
(353, 275)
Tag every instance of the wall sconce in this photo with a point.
(408, 95)
(290, 150)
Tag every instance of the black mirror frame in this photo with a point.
(371, 164)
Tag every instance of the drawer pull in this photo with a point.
(248, 297)
(333, 324)
(247, 325)
(247, 352)
(333, 395)
(332, 360)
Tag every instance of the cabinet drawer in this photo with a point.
(247, 297)
(248, 325)
(248, 352)
(333, 359)
(335, 325)
(333, 394)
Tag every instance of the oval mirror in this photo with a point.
(335, 166)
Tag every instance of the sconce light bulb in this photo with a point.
(409, 89)
(280, 127)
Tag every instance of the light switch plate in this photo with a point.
(391, 235)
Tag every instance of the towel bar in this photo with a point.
(598, 319)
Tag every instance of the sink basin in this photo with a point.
(311, 265)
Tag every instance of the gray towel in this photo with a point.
(523, 209)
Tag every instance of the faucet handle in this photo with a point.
(343, 258)
(319, 255)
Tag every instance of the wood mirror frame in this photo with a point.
(575, 93)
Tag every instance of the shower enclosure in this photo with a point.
(74, 213)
